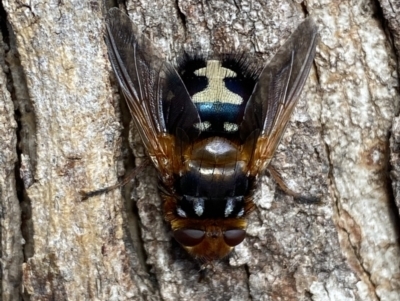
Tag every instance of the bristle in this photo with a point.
(242, 64)
(189, 62)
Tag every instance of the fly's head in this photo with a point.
(210, 238)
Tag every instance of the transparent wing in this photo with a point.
(156, 96)
(275, 95)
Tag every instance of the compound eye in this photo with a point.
(234, 237)
(189, 237)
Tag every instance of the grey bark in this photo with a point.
(73, 132)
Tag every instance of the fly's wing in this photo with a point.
(156, 96)
(275, 96)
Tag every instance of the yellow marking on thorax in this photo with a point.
(216, 90)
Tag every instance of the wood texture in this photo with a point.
(73, 132)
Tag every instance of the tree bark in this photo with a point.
(64, 128)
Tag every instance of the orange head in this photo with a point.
(209, 240)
